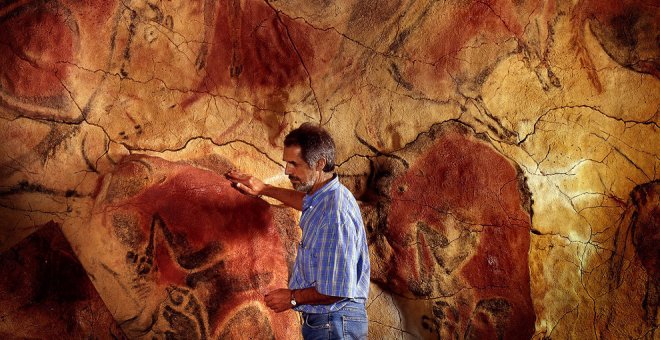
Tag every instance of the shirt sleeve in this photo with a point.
(337, 260)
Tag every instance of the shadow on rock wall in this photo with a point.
(450, 231)
(46, 294)
(636, 245)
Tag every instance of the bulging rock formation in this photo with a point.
(177, 252)
(452, 230)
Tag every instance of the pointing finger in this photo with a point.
(234, 174)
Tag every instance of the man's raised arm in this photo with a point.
(251, 185)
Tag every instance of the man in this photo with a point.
(329, 282)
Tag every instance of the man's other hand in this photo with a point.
(245, 183)
(279, 300)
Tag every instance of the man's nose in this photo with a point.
(287, 170)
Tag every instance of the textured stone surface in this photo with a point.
(456, 237)
(45, 292)
(505, 154)
(177, 252)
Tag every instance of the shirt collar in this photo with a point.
(332, 184)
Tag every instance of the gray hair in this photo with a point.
(315, 143)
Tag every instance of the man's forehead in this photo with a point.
(292, 153)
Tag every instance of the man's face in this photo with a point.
(301, 175)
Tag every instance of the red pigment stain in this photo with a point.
(254, 48)
(200, 210)
(608, 13)
(169, 271)
(477, 185)
(93, 13)
(200, 207)
(605, 10)
(621, 17)
(495, 19)
(37, 41)
(34, 43)
(646, 233)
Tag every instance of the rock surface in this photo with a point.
(505, 155)
(45, 292)
(457, 237)
(176, 252)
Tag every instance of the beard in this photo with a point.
(301, 186)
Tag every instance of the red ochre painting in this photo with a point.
(454, 229)
(505, 155)
(192, 255)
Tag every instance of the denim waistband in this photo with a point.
(351, 305)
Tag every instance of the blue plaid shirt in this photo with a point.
(333, 255)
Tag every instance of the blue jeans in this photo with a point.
(349, 322)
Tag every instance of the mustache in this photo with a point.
(292, 178)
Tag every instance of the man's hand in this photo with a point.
(245, 183)
(279, 300)
(253, 186)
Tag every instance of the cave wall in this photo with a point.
(504, 155)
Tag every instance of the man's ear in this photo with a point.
(320, 164)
